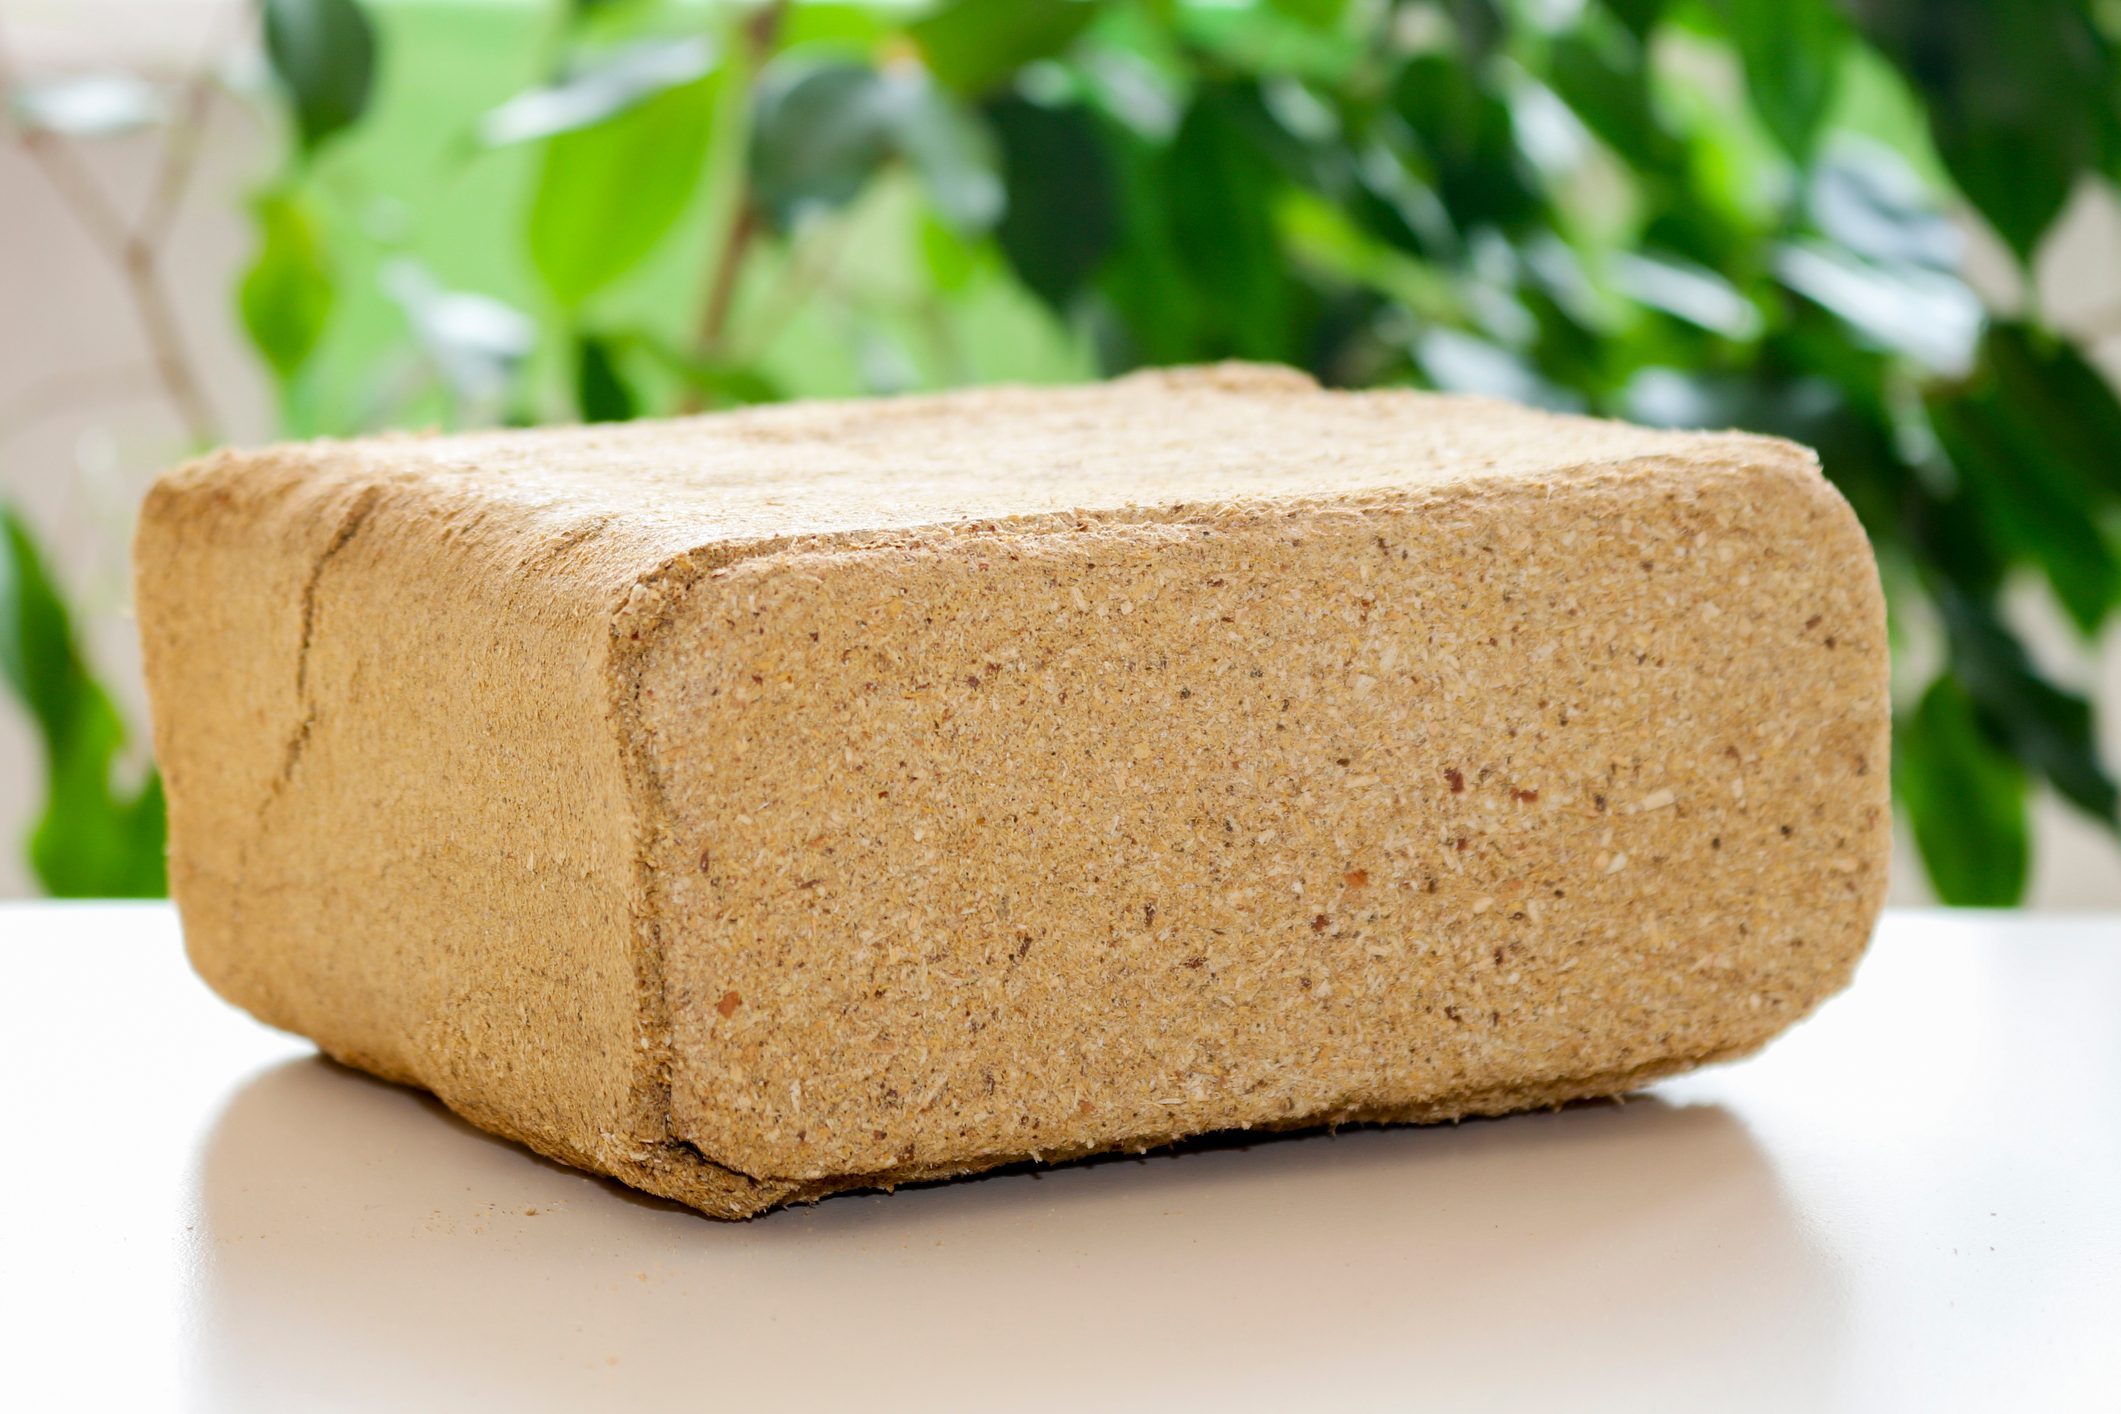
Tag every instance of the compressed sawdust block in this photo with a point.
(765, 804)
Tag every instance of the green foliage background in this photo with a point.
(1686, 212)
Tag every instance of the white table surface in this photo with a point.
(1911, 1202)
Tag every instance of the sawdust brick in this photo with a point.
(765, 804)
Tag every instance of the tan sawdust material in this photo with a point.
(765, 804)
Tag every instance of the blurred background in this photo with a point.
(1887, 228)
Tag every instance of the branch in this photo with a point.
(136, 249)
(68, 176)
(721, 289)
(165, 340)
(761, 32)
(180, 151)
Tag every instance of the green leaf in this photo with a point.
(1063, 211)
(601, 392)
(949, 260)
(1686, 291)
(2051, 388)
(37, 657)
(973, 46)
(1791, 52)
(1639, 16)
(820, 133)
(712, 378)
(1953, 543)
(599, 90)
(1606, 84)
(324, 54)
(91, 839)
(2049, 730)
(1965, 800)
(818, 136)
(1220, 191)
(1318, 14)
(1480, 26)
(1469, 138)
(2017, 97)
(1925, 314)
(2035, 502)
(1265, 41)
(955, 155)
(1150, 312)
(1459, 362)
(606, 195)
(286, 295)
(1865, 197)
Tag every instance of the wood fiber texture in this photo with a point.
(765, 804)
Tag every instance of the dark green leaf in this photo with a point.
(1152, 313)
(1791, 50)
(91, 839)
(2034, 502)
(1606, 83)
(1965, 799)
(1063, 195)
(2052, 390)
(597, 91)
(1219, 187)
(2051, 731)
(324, 54)
(2017, 95)
(601, 393)
(972, 46)
(1953, 540)
(821, 133)
(286, 295)
(37, 657)
(1296, 129)
(824, 132)
(1672, 397)
(1398, 207)
(606, 195)
(1467, 135)
(1639, 16)
(1480, 25)
(818, 136)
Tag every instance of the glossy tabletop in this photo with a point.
(1911, 1202)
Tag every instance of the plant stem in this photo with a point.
(721, 288)
(760, 33)
(165, 340)
(135, 249)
